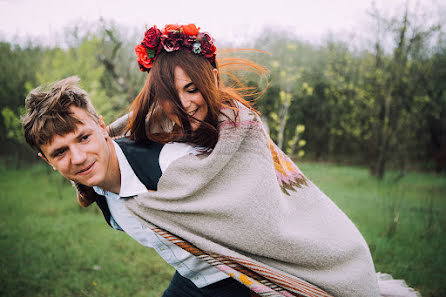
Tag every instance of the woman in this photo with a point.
(241, 204)
(175, 57)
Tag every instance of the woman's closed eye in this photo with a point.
(192, 90)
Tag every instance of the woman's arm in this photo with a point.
(118, 128)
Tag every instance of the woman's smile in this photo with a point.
(191, 98)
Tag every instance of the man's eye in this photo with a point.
(59, 153)
(85, 137)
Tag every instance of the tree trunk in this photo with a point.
(383, 145)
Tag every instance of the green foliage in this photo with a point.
(81, 61)
(384, 106)
(18, 67)
(296, 143)
(13, 125)
(97, 54)
(19, 64)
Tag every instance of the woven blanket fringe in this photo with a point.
(389, 287)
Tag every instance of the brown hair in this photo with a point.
(48, 111)
(148, 120)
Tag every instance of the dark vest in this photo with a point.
(144, 160)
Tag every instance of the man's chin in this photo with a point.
(89, 182)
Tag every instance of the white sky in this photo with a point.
(226, 20)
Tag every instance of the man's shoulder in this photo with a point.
(126, 142)
(143, 158)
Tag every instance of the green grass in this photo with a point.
(52, 247)
(416, 252)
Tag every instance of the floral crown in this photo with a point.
(174, 38)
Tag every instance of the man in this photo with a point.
(62, 125)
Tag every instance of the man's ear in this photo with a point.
(103, 126)
(45, 159)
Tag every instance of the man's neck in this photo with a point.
(112, 182)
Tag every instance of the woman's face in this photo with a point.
(191, 99)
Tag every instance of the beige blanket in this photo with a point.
(247, 209)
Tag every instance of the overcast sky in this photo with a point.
(226, 20)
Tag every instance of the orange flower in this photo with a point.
(190, 29)
(171, 27)
(142, 56)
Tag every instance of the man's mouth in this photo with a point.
(86, 170)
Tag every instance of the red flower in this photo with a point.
(210, 51)
(171, 43)
(188, 43)
(171, 27)
(190, 29)
(152, 37)
(207, 45)
(142, 56)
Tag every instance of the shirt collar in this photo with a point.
(130, 183)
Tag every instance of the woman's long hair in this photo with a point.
(148, 119)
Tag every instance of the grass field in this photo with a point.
(51, 247)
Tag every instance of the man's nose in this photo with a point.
(78, 156)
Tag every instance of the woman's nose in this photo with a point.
(185, 101)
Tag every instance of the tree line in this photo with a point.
(382, 105)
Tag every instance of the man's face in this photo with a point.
(82, 156)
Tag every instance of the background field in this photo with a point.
(52, 247)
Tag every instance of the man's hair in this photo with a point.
(48, 111)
